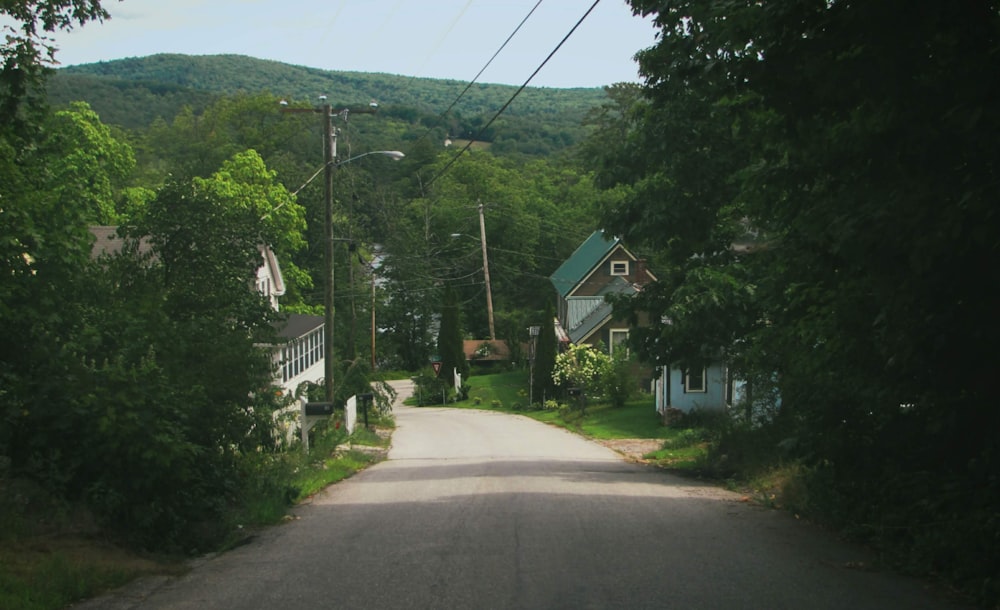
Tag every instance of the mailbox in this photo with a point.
(319, 408)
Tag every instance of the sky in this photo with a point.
(449, 39)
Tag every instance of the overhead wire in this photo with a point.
(503, 108)
(475, 79)
(507, 104)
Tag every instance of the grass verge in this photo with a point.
(52, 555)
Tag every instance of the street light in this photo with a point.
(329, 164)
(328, 356)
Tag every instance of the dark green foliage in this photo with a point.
(431, 389)
(816, 183)
(27, 51)
(545, 356)
(449, 344)
(134, 92)
(131, 104)
(620, 381)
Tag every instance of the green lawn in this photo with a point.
(683, 448)
(637, 419)
(502, 391)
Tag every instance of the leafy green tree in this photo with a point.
(411, 290)
(55, 184)
(27, 52)
(87, 167)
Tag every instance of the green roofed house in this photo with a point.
(603, 266)
(600, 266)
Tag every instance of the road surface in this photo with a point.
(475, 509)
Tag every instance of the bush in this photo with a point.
(430, 389)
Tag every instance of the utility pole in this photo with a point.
(327, 113)
(486, 272)
(329, 154)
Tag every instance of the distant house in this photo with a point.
(602, 265)
(486, 352)
(299, 356)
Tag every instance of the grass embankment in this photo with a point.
(52, 554)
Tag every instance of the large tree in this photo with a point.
(818, 180)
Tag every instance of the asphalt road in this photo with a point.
(476, 509)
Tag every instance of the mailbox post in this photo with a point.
(366, 399)
(313, 413)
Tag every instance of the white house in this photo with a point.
(299, 355)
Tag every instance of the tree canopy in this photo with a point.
(817, 181)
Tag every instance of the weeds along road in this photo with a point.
(475, 509)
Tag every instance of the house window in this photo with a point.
(694, 381)
(619, 267)
(618, 339)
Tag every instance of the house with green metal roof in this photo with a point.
(603, 266)
(600, 266)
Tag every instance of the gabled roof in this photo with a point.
(575, 268)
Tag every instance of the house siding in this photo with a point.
(671, 393)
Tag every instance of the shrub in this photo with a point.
(582, 366)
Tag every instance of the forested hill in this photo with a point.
(133, 92)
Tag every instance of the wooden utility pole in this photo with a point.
(329, 155)
(326, 111)
(486, 272)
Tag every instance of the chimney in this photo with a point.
(641, 277)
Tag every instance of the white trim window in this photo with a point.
(619, 267)
(617, 339)
(695, 383)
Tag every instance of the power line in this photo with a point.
(483, 69)
(512, 98)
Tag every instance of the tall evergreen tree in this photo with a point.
(545, 356)
(450, 337)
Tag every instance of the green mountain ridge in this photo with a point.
(135, 91)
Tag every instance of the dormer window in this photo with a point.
(619, 267)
